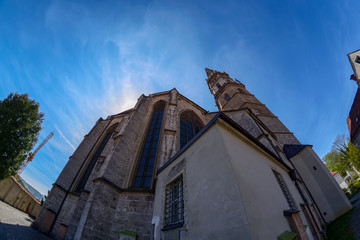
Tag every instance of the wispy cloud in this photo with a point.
(63, 136)
(86, 61)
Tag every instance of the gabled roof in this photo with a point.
(291, 150)
(235, 126)
(181, 96)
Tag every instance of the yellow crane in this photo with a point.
(31, 155)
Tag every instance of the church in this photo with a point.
(168, 169)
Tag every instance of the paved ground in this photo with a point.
(355, 216)
(15, 225)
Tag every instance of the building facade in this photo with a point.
(168, 169)
(15, 194)
(353, 120)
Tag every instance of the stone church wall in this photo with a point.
(75, 162)
(109, 205)
(113, 211)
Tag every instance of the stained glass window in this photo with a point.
(145, 169)
(190, 125)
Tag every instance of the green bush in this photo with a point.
(354, 187)
(357, 184)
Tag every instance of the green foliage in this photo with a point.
(20, 124)
(343, 154)
(354, 155)
(354, 187)
(334, 162)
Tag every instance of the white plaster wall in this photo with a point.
(340, 181)
(326, 192)
(213, 205)
(230, 190)
(356, 66)
(261, 194)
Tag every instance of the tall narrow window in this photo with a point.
(94, 159)
(145, 169)
(190, 125)
(174, 204)
(285, 190)
(227, 97)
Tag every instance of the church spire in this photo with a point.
(209, 72)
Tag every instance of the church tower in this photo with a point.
(231, 95)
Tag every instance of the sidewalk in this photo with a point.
(355, 216)
(15, 225)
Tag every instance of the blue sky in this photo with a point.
(82, 60)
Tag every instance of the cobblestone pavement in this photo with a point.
(15, 225)
(355, 216)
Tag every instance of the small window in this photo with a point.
(218, 85)
(357, 59)
(174, 204)
(227, 97)
(285, 190)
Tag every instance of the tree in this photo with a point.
(20, 124)
(336, 163)
(354, 155)
(343, 156)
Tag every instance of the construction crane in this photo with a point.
(31, 155)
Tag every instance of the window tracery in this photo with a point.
(145, 168)
(190, 125)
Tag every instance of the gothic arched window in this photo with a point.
(190, 125)
(86, 174)
(227, 97)
(145, 168)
